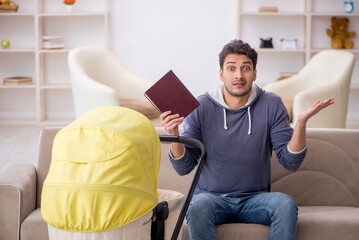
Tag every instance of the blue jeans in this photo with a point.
(276, 210)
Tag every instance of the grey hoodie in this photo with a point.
(239, 142)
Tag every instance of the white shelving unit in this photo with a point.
(49, 99)
(306, 21)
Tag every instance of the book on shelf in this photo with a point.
(52, 38)
(52, 42)
(170, 94)
(53, 46)
(268, 9)
(17, 80)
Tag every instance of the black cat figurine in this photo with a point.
(266, 43)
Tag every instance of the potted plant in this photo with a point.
(69, 4)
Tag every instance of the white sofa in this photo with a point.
(325, 188)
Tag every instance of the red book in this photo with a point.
(169, 94)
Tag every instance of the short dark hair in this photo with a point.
(238, 47)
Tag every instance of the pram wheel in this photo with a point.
(160, 214)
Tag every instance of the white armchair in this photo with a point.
(100, 79)
(326, 75)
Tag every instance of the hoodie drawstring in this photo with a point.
(249, 121)
(225, 119)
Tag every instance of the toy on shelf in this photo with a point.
(348, 6)
(5, 43)
(266, 43)
(289, 43)
(339, 33)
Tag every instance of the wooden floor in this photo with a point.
(18, 143)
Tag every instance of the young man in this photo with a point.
(240, 125)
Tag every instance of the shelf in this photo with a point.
(56, 86)
(271, 14)
(354, 86)
(304, 20)
(64, 14)
(57, 122)
(315, 50)
(18, 50)
(18, 121)
(58, 104)
(65, 50)
(336, 14)
(18, 86)
(279, 50)
(17, 14)
(352, 124)
(18, 103)
(48, 100)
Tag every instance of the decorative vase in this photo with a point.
(69, 8)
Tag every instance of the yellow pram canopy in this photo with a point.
(103, 172)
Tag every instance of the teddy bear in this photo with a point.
(339, 33)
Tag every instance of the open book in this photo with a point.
(169, 94)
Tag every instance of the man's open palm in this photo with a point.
(309, 112)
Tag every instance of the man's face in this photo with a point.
(238, 75)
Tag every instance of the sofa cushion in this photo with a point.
(9, 223)
(232, 231)
(320, 223)
(327, 177)
(46, 140)
(34, 227)
(314, 223)
(325, 222)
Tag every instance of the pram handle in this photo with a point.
(195, 143)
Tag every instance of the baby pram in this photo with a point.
(102, 182)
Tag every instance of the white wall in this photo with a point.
(152, 37)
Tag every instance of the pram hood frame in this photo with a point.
(195, 143)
